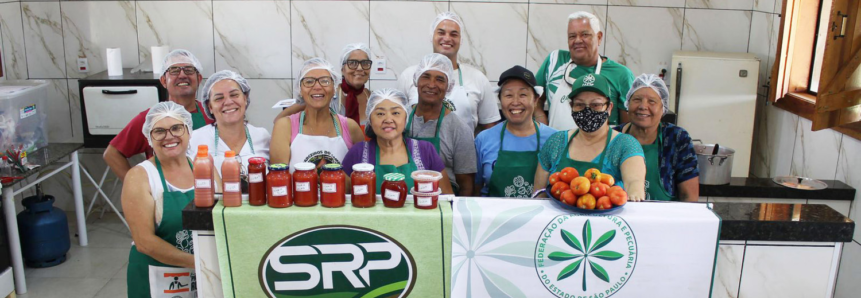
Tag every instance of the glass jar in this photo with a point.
(364, 182)
(278, 180)
(256, 183)
(305, 184)
(333, 182)
(394, 190)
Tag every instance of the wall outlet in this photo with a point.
(83, 65)
(663, 70)
(379, 66)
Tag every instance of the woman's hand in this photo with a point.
(540, 182)
(634, 176)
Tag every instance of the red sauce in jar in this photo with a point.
(394, 190)
(256, 181)
(333, 182)
(364, 182)
(423, 200)
(305, 184)
(278, 180)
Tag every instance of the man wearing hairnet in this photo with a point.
(472, 98)
(561, 67)
(671, 162)
(181, 77)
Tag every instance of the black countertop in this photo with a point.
(766, 188)
(45, 157)
(740, 221)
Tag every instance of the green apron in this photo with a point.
(654, 187)
(197, 119)
(406, 169)
(435, 139)
(515, 176)
(177, 282)
(583, 166)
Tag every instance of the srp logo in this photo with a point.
(338, 261)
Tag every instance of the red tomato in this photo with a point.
(568, 174)
(554, 178)
(593, 174)
(587, 201)
(603, 203)
(598, 189)
(558, 188)
(580, 186)
(618, 197)
(568, 197)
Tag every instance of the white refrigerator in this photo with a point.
(714, 98)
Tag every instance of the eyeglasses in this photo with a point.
(309, 82)
(595, 106)
(188, 70)
(177, 130)
(354, 64)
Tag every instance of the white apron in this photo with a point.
(560, 111)
(319, 150)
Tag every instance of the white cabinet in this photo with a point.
(728, 270)
(787, 271)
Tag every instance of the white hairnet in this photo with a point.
(163, 110)
(448, 15)
(217, 77)
(181, 56)
(593, 20)
(436, 62)
(393, 95)
(350, 48)
(309, 65)
(651, 81)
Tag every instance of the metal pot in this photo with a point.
(715, 163)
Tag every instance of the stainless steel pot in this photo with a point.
(715, 163)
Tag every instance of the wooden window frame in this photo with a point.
(831, 107)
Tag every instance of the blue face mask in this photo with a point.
(589, 120)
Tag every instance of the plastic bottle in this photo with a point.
(231, 186)
(203, 194)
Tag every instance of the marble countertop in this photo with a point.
(740, 221)
(748, 187)
(45, 157)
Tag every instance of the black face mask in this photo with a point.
(589, 120)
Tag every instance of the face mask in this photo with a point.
(589, 120)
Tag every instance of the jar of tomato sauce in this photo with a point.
(394, 190)
(305, 184)
(426, 200)
(364, 182)
(278, 180)
(332, 184)
(256, 183)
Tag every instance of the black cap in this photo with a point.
(518, 72)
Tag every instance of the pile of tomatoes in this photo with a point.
(593, 190)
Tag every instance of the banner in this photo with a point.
(532, 248)
(334, 252)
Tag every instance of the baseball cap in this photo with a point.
(590, 82)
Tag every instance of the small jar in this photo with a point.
(394, 190)
(333, 182)
(426, 181)
(426, 200)
(278, 180)
(256, 183)
(364, 182)
(305, 184)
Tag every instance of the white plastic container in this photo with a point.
(23, 110)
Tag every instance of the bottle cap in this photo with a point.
(304, 166)
(202, 151)
(278, 167)
(332, 167)
(363, 167)
(229, 153)
(257, 160)
(394, 177)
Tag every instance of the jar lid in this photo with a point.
(332, 167)
(257, 160)
(304, 166)
(278, 167)
(394, 177)
(363, 167)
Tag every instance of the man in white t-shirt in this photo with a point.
(472, 98)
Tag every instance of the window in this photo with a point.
(816, 71)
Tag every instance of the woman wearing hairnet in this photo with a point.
(154, 194)
(671, 163)
(431, 120)
(316, 135)
(226, 97)
(389, 151)
(351, 96)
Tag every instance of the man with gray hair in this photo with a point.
(561, 67)
(181, 77)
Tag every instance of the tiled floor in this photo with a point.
(97, 270)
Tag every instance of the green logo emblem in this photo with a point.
(337, 261)
(607, 261)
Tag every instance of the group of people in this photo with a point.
(581, 110)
